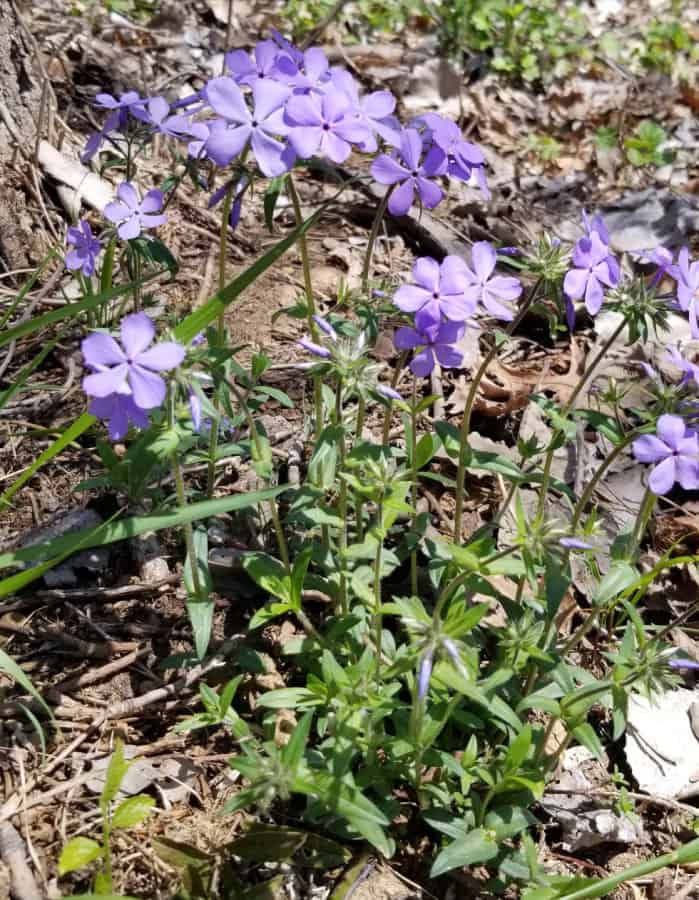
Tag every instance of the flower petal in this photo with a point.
(225, 97)
(163, 357)
(305, 140)
(130, 228)
(650, 449)
(410, 297)
(101, 349)
(483, 257)
(100, 384)
(407, 339)
(671, 430)
(268, 153)
(152, 202)
(426, 273)
(387, 170)
(137, 333)
(147, 387)
(401, 199)
(126, 192)
(422, 363)
(663, 477)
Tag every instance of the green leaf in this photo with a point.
(78, 853)
(323, 463)
(272, 192)
(132, 811)
(180, 855)
(507, 821)
(587, 736)
(518, 749)
(475, 847)
(201, 618)
(7, 664)
(618, 579)
(287, 698)
(267, 613)
(298, 576)
(292, 753)
(426, 448)
(117, 768)
(269, 574)
(267, 843)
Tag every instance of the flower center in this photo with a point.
(414, 173)
(326, 127)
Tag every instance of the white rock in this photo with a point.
(661, 748)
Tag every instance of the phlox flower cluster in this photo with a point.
(443, 297)
(595, 269)
(279, 104)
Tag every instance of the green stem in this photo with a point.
(310, 301)
(220, 333)
(413, 459)
(378, 618)
(342, 500)
(187, 527)
(594, 481)
(376, 225)
(107, 852)
(470, 400)
(389, 409)
(255, 437)
(644, 514)
(358, 499)
(558, 434)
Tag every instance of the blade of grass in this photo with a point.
(109, 532)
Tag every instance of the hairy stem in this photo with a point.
(310, 301)
(376, 225)
(413, 487)
(470, 400)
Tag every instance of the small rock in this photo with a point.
(661, 746)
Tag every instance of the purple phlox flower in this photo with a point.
(435, 343)
(438, 291)
(194, 408)
(374, 110)
(325, 326)
(130, 102)
(236, 205)
(267, 62)
(294, 54)
(311, 72)
(202, 132)
(96, 139)
(595, 224)
(410, 174)
(86, 248)
(260, 126)
(157, 114)
(594, 270)
(324, 124)
(198, 339)
(131, 214)
(132, 368)
(675, 452)
(119, 411)
(689, 369)
(688, 287)
(424, 674)
(464, 159)
(574, 543)
(683, 663)
(493, 291)
(388, 392)
(315, 349)
(665, 261)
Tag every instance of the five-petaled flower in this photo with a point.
(410, 174)
(86, 248)
(130, 214)
(493, 291)
(438, 291)
(435, 343)
(261, 126)
(324, 124)
(675, 452)
(132, 368)
(594, 269)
